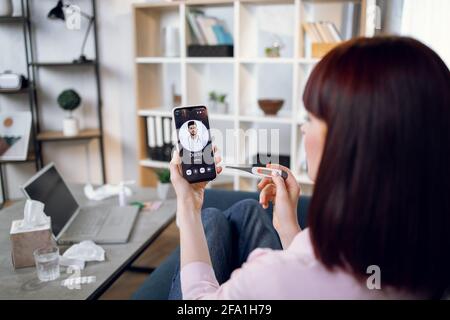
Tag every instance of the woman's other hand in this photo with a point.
(284, 195)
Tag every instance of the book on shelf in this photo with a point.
(320, 37)
(322, 32)
(206, 25)
(196, 32)
(159, 134)
(207, 30)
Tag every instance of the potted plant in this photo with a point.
(69, 100)
(274, 50)
(218, 102)
(164, 189)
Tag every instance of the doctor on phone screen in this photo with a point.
(192, 137)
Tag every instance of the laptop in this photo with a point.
(72, 223)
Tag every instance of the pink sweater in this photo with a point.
(293, 273)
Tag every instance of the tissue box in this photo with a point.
(25, 241)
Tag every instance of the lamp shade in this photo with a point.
(57, 12)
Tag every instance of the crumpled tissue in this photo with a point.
(78, 254)
(33, 216)
(105, 191)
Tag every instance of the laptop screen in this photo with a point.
(50, 189)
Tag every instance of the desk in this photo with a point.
(23, 283)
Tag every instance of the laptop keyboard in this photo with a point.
(87, 222)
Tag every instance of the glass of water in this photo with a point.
(47, 263)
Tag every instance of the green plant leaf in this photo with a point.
(69, 100)
(163, 175)
(213, 96)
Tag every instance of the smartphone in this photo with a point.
(194, 143)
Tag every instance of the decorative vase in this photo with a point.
(6, 8)
(212, 105)
(171, 42)
(222, 107)
(70, 126)
(165, 190)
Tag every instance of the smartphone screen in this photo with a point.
(194, 143)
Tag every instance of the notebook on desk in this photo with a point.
(72, 223)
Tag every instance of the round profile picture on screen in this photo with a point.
(193, 135)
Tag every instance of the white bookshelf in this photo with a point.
(245, 77)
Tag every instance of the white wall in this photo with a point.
(117, 56)
(54, 42)
(428, 21)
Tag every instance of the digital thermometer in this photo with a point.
(263, 172)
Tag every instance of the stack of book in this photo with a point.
(159, 137)
(322, 37)
(208, 30)
(210, 36)
(322, 32)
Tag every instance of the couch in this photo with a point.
(157, 285)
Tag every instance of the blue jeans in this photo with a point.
(231, 236)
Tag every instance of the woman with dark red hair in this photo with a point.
(378, 148)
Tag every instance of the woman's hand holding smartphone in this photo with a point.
(189, 195)
(194, 163)
(194, 143)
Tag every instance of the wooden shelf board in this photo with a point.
(13, 19)
(21, 91)
(59, 136)
(162, 112)
(63, 64)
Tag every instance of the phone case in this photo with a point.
(192, 178)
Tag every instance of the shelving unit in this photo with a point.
(87, 134)
(22, 21)
(39, 136)
(246, 77)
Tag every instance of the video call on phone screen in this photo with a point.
(194, 141)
